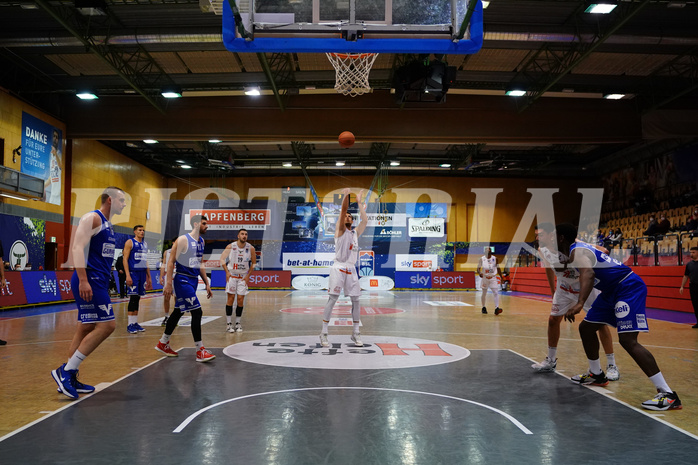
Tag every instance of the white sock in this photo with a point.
(552, 353)
(595, 366)
(483, 297)
(325, 325)
(75, 361)
(132, 319)
(660, 383)
(229, 319)
(198, 344)
(610, 359)
(237, 319)
(496, 298)
(165, 339)
(356, 326)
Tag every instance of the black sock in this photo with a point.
(133, 303)
(172, 321)
(229, 310)
(196, 316)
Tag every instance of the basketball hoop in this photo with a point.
(352, 71)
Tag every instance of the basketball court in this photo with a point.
(436, 382)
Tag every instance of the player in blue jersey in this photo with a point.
(186, 255)
(137, 275)
(621, 304)
(93, 254)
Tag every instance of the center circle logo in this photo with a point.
(377, 353)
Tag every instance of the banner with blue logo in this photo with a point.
(413, 279)
(42, 157)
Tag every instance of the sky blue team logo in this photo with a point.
(622, 310)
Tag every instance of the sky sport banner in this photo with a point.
(42, 156)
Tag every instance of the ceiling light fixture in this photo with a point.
(445, 165)
(186, 167)
(485, 4)
(613, 96)
(150, 141)
(253, 91)
(287, 164)
(394, 163)
(516, 93)
(171, 94)
(600, 8)
(86, 96)
(339, 163)
(214, 141)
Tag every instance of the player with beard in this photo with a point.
(238, 260)
(186, 256)
(343, 274)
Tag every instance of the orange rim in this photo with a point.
(353, 56)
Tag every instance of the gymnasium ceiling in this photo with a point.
(567, 61)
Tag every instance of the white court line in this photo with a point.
(606, 393)
(191, 417)
(98, 389)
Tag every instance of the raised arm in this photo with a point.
(341, 227)
(362, 214)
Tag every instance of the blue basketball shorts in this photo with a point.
(623, 309)
(138, 287)
(185, 292)
(98, 309)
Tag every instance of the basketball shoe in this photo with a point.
(484, 310)
(663, 401)
(230, 328)
(546, 366)
(64, 380)
(590, 379)
(238, 327)
(166, 349)
(324, 342)
(612, 373)
(204, 355)
(497, 311)
(356, 337)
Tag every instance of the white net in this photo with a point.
(352, 71)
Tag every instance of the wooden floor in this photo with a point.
(37, 344)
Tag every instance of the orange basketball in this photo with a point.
(346, 139)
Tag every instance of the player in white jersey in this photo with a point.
(343, 274)
(238, 260)
(488, 270)
(565, 287)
